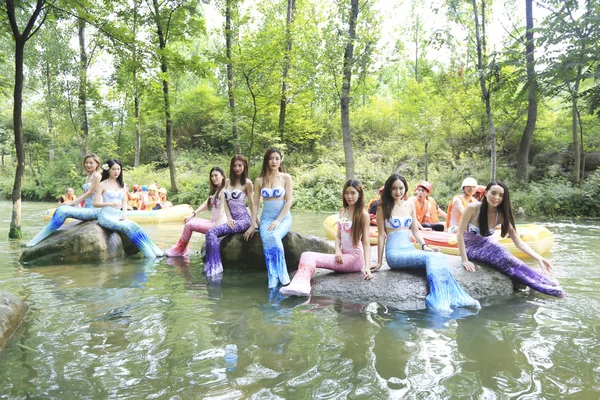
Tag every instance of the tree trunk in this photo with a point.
(49, 111)
(230, 91)
(485, 94)
(286, 66)
(83, 65)
(136, 93)
(523, 154)
(345, 95)
(165, 85)
(426, 158)
(255, 111)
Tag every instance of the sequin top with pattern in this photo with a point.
(345, 227)
(236, 200)
(275, 193)
(398, 222)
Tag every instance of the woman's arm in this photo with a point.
(380, 238)
(224, 206)
(338, 242)
(90, 192)
(366, 269)
(414, 226)
(124, 203)
(524, 247)
(289, 188)
(467, 218)
(249, 190)
(256, 204)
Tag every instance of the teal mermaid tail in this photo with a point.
(444, 291)
(109, 219)
(59, 217)
(272, 242)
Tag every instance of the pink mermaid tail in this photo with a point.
(180, 249)
(309, 261)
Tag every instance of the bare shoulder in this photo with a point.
(286, 177)
(258, 182)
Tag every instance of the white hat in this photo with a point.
(469, 182)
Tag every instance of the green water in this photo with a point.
(155, 329)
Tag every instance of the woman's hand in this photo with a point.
(338, 257)
(249, 233)
(468, 265)
(274, 225)
(433, 249)
(231, 223)
(123, 217)
(375, 268)
(189, 218)
(545, 266)
(367, 274)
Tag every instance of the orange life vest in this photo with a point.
(423, 211)
(433, 218)
(465, 203)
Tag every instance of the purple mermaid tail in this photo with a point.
(487, 249)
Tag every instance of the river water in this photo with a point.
(135, 328)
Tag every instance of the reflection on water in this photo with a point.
(137, 328)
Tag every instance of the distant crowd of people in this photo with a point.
(151, 197)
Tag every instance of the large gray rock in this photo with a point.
(12, 312)
(79, 242)
(236, 252)
(406, 290)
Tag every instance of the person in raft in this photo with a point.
(457, 205)
(350, 243)
(395, 217)
(276, 190)
(426, 208)
(238, 188)
(475, 241)
(91, 164)
(216, 178)
(68, 196)
(111, 198)
(164, 201)
(478, 195)
(152, 200)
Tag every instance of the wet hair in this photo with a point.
(94, 157)
(233, 178)
(387, 201)
(265, 164)
(504, 209)
(105, 172)
(214, 189)
(357, 215)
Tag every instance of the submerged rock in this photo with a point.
(79, 242)
(12, 312)
(236, 252)
(406, 290)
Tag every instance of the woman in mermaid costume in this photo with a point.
(352, 249)
(475, 241)
(195, 224)
(111, 197)
(275, 188)
(395, 217)
(91, 164)
(237, 189)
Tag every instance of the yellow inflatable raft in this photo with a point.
(538, 237)
(172, 214)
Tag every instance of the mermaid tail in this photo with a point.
(444, 291)
(213, 265)
(181, 248)
(487, 249)
(109, 218)
(59, 217)
(272, 244)
(310, 261)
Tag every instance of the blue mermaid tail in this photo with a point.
(109, 219)
(487, 249)
(444, 291)
(272, 244)
(59, 217)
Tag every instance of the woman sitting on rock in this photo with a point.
(352, 249)
(276, 189)
(237, 189)
(111, 197)
(475, 241)
(216, 178)
(395, 218)
(69, 209)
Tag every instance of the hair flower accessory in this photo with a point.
(105, 167)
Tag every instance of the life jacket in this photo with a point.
(423, 212)
(465, 203)
(433, 218)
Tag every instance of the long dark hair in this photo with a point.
(357, 215)
(387, 201)
(214, 189)
(265, 164)
(105, 172)
(232, 176)
(504, 209)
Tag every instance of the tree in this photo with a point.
(229, 10)
(291, 8)
(21, 39)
